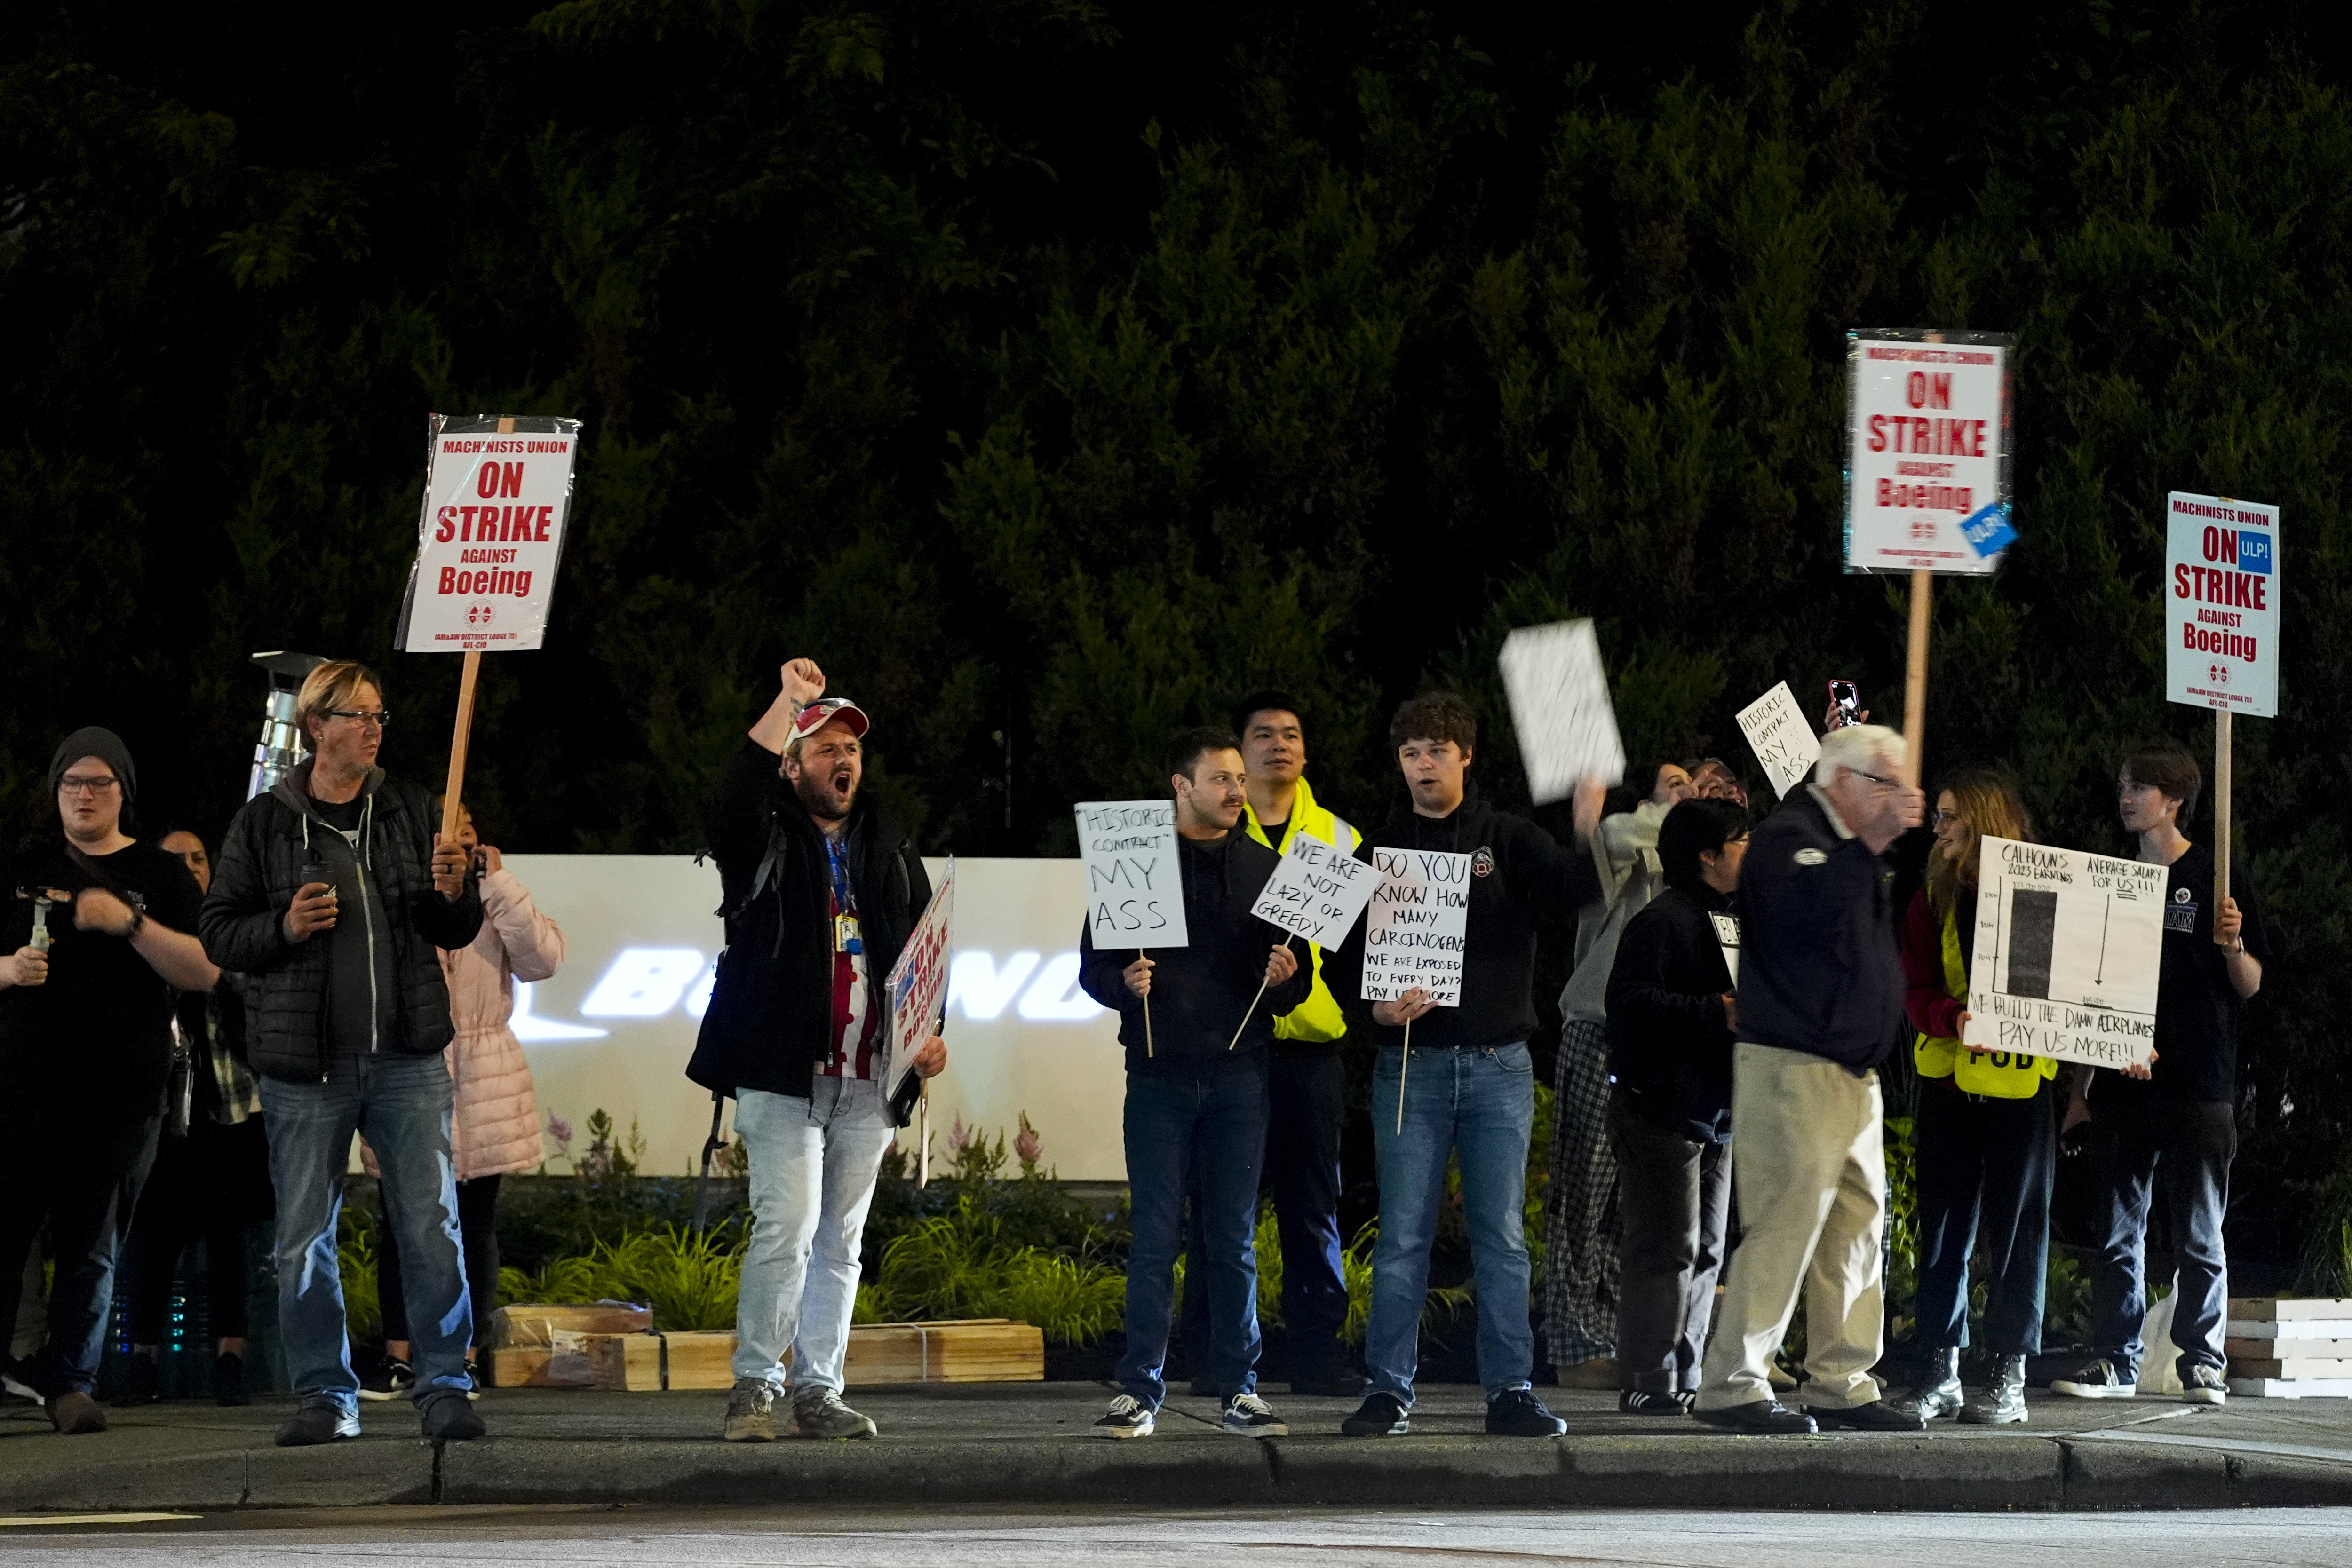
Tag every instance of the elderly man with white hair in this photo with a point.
(1821, 995)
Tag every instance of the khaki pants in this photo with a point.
(1809, 1169)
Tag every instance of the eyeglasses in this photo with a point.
(1939, 818)
(1875, 778)
(88, 788)
(377, 716)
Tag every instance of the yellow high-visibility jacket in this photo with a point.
(1318, 1018)
(1998, 1075)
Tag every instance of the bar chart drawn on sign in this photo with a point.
(2068, 949)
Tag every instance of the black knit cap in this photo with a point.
(92, 740)
(1260, 701)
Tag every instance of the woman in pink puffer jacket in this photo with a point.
(495, 1126)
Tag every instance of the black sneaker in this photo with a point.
(2202, 1385)
(395, 1379)
(450, 1419)
(1760, 1418)
(1878, 1415)
(316, 1423)
(1382, 1415)
(228, 1379)
(1127, 1417)
(1517, 1413)
(2095, 1380)
(141, 1382)
(1634, 1402)
(1247, 1415)
(472, 1379)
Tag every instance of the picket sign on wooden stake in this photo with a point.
(459, 736)
(1915, 680)
(2221, 811)
(1403, 1067)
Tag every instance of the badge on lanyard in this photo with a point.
(845, 938)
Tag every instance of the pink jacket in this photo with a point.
(495, 1128)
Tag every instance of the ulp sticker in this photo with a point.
(1988, 530)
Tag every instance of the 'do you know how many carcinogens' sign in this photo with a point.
(2221, 603)
(1416, 925)
(1315, 891)
(1135, 894)
(496, 501)
(1927, 458)
(2068, 949)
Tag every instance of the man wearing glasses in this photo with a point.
(97, 936)
(1819, 997)
(332, 891)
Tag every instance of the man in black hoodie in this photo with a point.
(1196, 1090)
(1470, 1087)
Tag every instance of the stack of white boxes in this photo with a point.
(2290, 1347)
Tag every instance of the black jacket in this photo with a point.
(770, 1014)
(1199, 992)
(1518, 873)
(1668, 1045)
(1820, 971)
(255, 879)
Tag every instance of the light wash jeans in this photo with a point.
(1480, 1104)
(814, 1164)
(402, 1104)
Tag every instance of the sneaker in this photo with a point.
(1759, 1417)
(819, 1413)
(141, 1382)
(1247, 1415)
(751, 1412)
(316, 1423)
(74, 1413)
(1127, 1417)
(1517, 1413)
(1878, 1415)
(451, 1419)
(472, 1379)
(2202, 1385)
(228, 1379)
(1634, 1402)
(1380, 1415)
(395, 1379)
(2095, 1380)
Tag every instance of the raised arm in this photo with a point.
(533, 943)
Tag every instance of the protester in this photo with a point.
(1988, 1136)
(210, 1183)
(494, 1120)
(1713, 779)
(1471, 1090)
(98, 933)
(1306, 1082)
(1581, 1229)
(2174, 1120)
(1197, 1033)
(1671, 1010)
(822, 890)
(1820, 992)
(332, 893)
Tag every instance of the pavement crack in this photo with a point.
(438, 1450)
(1273, 1460)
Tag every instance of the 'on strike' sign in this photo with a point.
(2221, 603)
(1927, 482)
(491, 535)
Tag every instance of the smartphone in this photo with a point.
(1845, 703)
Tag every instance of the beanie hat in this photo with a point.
(92, 740)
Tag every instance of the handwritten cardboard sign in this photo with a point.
(1417, 924)
(1781, 738)
(1315, 891)
(2068, 947)
(1135, 894)
(1559, 705)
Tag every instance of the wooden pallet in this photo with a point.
(980, 1350)
(540, 1344)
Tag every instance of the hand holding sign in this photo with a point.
(1415, 933)
(2068, 949)
(1559, 705)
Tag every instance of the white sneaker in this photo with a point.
(1247, 1415)
(2204, 1386)
(1127, 1417)
(2095, 1380)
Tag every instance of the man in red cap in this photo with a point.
(822, 890)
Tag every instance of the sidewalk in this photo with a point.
(1028, 1443)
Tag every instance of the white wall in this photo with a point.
(615, 1028)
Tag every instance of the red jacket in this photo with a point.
(1928, 1001)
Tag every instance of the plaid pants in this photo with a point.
(1581, 1226)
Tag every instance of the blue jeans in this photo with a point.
(1182, 1120)
(1480, 1104)
(2187, 1148)
(401, 1103)
(813, 1166)
(1985, 1169)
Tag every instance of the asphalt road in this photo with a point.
(427, 1537)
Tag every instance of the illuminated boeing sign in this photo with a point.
(648, 982)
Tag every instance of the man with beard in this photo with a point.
(822, 891)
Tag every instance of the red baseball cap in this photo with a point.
(823, 711)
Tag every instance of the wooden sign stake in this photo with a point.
(1915, 680)
(1403, 1067)
(1147, 1016)
(2220, 811)
(1252, 1007)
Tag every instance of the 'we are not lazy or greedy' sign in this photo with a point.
(1417, 926)
(1927, 452)
(1135, 891)
(1315, 891)
(1781, 738)
(2068, 949)
(2221, 603)
(1560, 706)
(497, 493)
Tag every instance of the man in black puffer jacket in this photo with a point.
(332, 894)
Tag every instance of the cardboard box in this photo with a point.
(2282, 1309)
(980, 1350)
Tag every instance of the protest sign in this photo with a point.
(1135, 894)
(1927, 452)
(1782, 736)
(1416, 925)
(2068, 949)
(916, 992)
(2221, 603)
(1315, 891)
(1560, 706)
(497, 493)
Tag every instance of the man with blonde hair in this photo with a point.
(333, 893)
(1821, 995)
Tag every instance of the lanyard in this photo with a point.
(836, 856)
